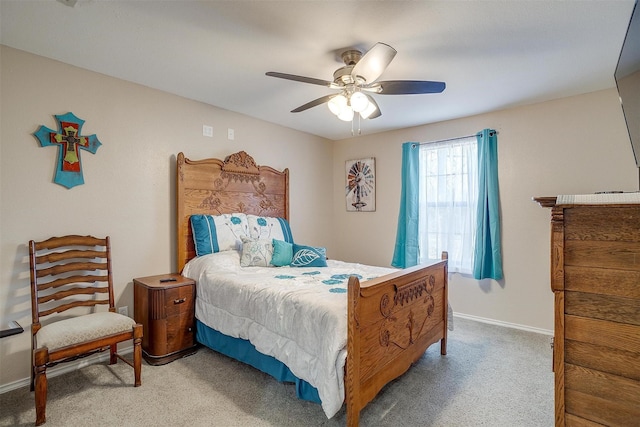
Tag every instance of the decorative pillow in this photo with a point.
(282, 253)
(256, 253)
(216, 233)
(308, 256)
(265, 227)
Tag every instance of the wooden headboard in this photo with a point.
(235, 184)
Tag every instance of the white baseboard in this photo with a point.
(66, 367)
(505, 324)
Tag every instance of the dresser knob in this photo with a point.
(179, 301)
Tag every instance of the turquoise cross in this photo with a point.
(69, 141)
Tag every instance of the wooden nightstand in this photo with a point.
(164, 305)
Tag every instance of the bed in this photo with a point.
(392, 316)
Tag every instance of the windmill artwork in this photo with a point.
(361, 185)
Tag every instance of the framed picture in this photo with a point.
(361, 185)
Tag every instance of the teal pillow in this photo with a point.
(282, 253)
(308, 256)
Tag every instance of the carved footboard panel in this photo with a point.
(392, 321)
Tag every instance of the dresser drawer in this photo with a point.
(604, 307)
(619, 255)
(587, 223)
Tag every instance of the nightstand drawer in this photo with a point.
(178, 300)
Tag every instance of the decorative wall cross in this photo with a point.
(69, 141)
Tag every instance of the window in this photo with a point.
(448, 173)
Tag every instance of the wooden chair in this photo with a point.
(74, 272)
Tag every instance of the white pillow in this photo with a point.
(265, 227)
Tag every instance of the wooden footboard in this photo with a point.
(392, 321)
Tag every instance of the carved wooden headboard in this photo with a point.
(235, 184)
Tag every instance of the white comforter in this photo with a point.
(297, 315)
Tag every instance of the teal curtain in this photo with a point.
(406, 250)
(488, 252)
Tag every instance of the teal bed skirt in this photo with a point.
(245, 352)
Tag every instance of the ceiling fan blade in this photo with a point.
(300, 79)
(407, 87)
(314, 103)
(374, 62)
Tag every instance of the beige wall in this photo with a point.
(569, 146)
(129, 189)
(573, 145)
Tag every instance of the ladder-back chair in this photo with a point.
(74, 272)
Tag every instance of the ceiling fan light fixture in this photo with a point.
(337, 104)
(370, 109)
(359, 102)
(346, 114)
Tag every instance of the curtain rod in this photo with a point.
(495, 132)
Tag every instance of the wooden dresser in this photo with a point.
(164, 305)
(595, 276)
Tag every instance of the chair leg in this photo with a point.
(113, 351)
(137, 355)
(33, 363)
(40, 373)
(33, 375)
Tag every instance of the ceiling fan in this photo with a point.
(357, 76)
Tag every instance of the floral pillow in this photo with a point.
(217, 233)
(256, 253)
(265, 227)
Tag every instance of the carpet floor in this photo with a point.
(491, 376)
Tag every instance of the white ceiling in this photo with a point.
(491, 54)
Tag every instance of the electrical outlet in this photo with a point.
(230, 134)
(124, 310)
(207, 131)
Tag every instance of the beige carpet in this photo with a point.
(492, 376)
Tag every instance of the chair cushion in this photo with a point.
(82, 328)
